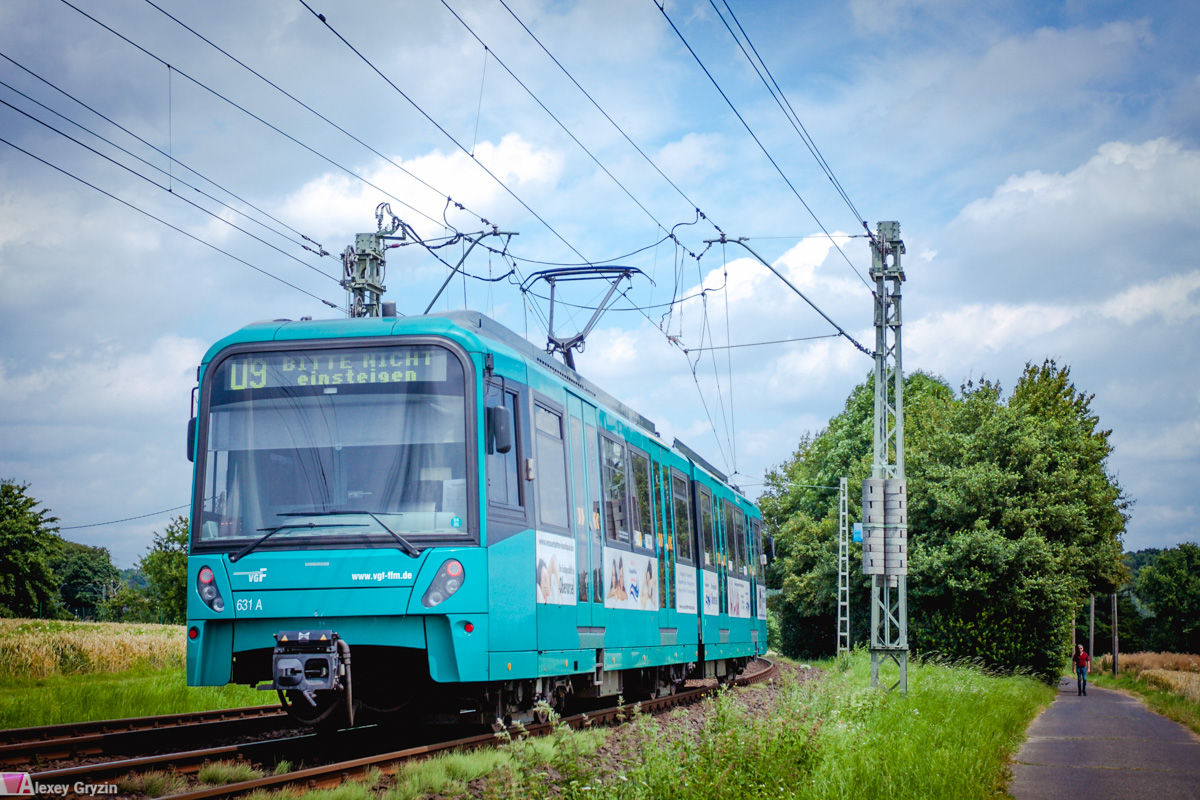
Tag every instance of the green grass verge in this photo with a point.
(1169, 704)
(951, 737)
(139, 692)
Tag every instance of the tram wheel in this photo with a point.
(328, 714)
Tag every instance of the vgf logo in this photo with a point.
(257, 576)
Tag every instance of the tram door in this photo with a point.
(585, 520)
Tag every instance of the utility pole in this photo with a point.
(843, 616)
(1092, 627)
(885, 493)
(1114, 632)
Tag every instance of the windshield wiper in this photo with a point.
(272, 531)
(405, 545)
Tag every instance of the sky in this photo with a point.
(1043, 161)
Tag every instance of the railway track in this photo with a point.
(24, 746)
(313, 747)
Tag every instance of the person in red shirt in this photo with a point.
(1083, 663)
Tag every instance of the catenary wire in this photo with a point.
(309, 108)
(169, 225)
(170, 159)
(195, 205)
(761, 344)
(127, 519)
(251, 114)
(789, 113)
(606, 115)
(757, 141)
(699, 214)
(158, 185)
(559, 122)
(444, 132)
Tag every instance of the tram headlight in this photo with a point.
(206, 587)
(447, 581)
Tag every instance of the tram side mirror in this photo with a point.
(501, 423)
(769, 554)
(191, 439)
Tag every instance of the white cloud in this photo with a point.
(1121, 185)
(102, 383)
(1171, 298)
(334, 203)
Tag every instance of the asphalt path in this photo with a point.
(1105, 746)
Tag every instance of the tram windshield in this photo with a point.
(360, 444)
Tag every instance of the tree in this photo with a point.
(128, 603)
(1171, 587)
(165, 567)
(800, 511)
(28, 542)
(85, 576)
(1013, 518)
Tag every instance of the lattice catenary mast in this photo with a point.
(885, 493)
(843, 617)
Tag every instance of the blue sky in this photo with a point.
(1043, 161)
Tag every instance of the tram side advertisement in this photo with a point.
(739, 598)
(631, 580)
(555, 569)
(685, 589)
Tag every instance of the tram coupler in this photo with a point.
(308, 661)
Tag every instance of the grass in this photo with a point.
(53, 672)
(445, 774)
(951, 736)
(1169, 683)
(152, 784)
(139, 692)
(42, 648)
(222, 773)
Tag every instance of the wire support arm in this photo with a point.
(841, 331)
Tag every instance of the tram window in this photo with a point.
(503, 484)
(578, 480)
(683, 519)
(643, 505)
(707, 528)
(551, 467)
(616, 520)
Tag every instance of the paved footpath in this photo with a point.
(1105, 746)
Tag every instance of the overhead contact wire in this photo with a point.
(559, 122)
(789, 113)
(444, 132)
(251, 114)
(169, 225)
(606, 115)
(160, 186)
(757, 141)
(170, 158)
(307, 107)
(165, 189)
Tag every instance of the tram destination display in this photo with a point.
(333, 368)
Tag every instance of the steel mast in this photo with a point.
(885, 493)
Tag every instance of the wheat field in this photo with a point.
(1138, 663)
(35, 648)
